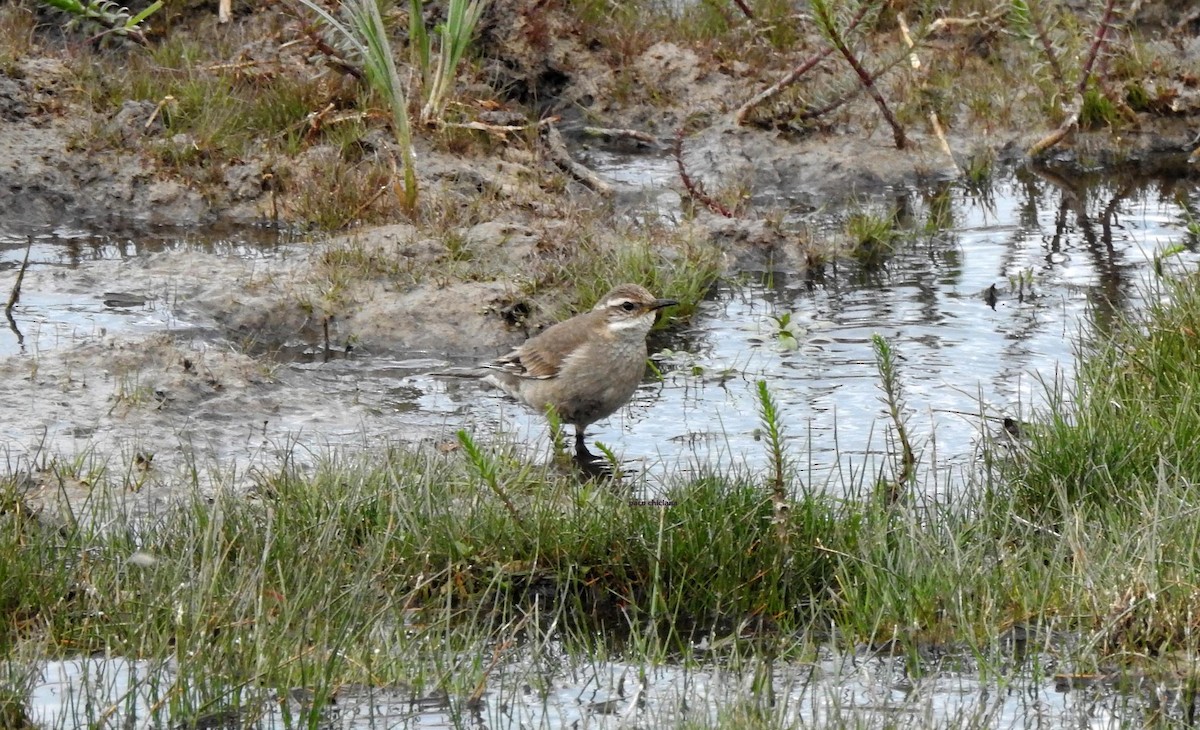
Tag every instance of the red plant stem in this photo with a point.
(868, 83)
(1097, 41)
(794, 74)
(693, 188)
(1047, 47)
(744, 8)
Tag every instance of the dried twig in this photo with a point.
(315, 122)
(371, 200)
(694, 189)
(498, 129)
(794, 75)
(562, 157)
(636, 134)
(934, 122)
(1065, 128)
(333, 56)
(232, 66)
(14, 296)
(949, 23)
(157, 110)
(775, 89)
(810, 114)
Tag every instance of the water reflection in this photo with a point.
(66, 246)
(983, 303)
(95, 305)
(549, 689)
(984, 307)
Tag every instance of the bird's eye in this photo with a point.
(629, 306)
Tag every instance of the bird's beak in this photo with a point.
(660, 303)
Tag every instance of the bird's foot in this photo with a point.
(590, 464)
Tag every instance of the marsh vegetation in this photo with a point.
(464, 580)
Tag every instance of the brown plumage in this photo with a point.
(586, 367)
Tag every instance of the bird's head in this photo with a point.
(630, 308)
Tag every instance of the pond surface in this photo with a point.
(90, 302)
(984, 314)
(557, 692)
(984, 305)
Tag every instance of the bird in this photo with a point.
(586, 367)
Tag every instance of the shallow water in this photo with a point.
(983, 310)
(555, 691)
(92, 304)
(984, 315)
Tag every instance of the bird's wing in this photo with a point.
(542, 356)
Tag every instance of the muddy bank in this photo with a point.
(67, 150)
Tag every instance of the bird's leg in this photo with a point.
(581, 449)
(591, 465)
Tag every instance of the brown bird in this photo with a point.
(585, 367)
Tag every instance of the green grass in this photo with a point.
(223, 108)
(681, 270)
(1134, 420)
(872, 235)
(291, 588)
(434, 570)
(401, 531)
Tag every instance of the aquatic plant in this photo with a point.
(772, 426)
(873, 235)
(893, 399)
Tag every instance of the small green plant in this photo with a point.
(939, 215)
(1022, 283)
(455, 35)
(787, 332)
(870, 229)
(1137, 97)
(488, 471)
(872, 235)
(17, 678)
(1098, 111)
(558, 438)
(1161, 256)
(893, 399)
(611, 462)
(979, 169)
(458, 246)
(772, 426)
(107, 14)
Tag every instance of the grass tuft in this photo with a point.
(1131, 419)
